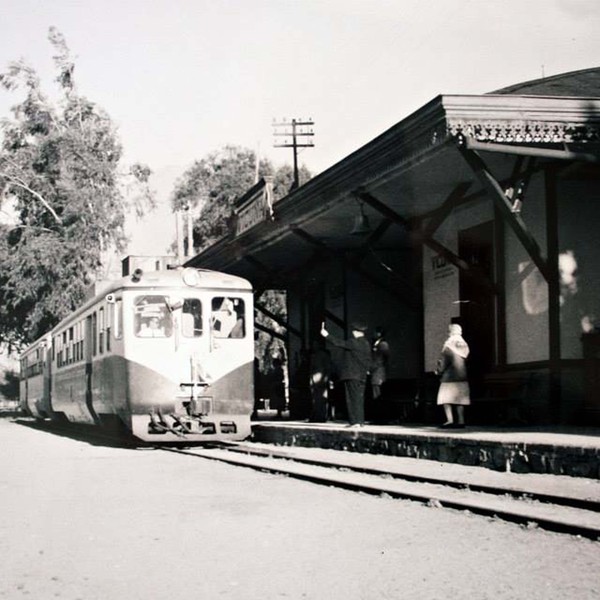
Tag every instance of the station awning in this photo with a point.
(405, 180)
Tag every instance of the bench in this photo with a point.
(397, 402)
(505, 393)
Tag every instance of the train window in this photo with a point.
(94, 333)
(227, 319)
(191, 319)
(101, 330)
(152, 317)
(118, 318)
(107, 325)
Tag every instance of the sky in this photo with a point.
(183, 78)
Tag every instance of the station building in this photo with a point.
(477, 209)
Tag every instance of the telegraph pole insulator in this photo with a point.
(298, 133)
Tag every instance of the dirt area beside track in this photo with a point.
(86, 522)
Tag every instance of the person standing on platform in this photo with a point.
(454, 385)
(320, 373)
(277, 386)
(380, 352)
(353, 371)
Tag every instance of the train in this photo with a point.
(167, 356)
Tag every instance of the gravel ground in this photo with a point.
(88, 522)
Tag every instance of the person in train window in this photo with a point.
(238, 329)
(227, 323)
(152, 329)
(224, 319)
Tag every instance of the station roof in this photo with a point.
(403, 176)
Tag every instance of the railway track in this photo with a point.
(574, 511)
(570, 508)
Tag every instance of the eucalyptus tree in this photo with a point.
(210, 186)
(61, 174)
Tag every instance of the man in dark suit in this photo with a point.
(353, 370)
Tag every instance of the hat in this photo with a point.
(358, 326)
(455, 329)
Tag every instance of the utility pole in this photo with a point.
(300, 131)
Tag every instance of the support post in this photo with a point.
(555, 389)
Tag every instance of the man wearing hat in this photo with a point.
(354, 368)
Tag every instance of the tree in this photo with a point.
(212, 184)
(60, 170)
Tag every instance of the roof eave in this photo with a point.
(414, 140)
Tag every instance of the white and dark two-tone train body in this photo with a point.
(168, 354)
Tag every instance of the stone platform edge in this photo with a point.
(513, 457)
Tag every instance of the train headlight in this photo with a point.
(191, 277)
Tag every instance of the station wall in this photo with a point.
(441, 279)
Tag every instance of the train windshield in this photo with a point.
(152, 317)
(228, 317)
(191, 318)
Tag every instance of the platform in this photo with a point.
(553, 450)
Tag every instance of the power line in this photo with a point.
(297, 134)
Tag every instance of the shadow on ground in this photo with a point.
(89, 434)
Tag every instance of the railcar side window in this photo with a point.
(227, 318)
(107, 327)
(118, 318)
(81, 336)
(152, 317)
(94, 333)
(101, 330)
(191, 318)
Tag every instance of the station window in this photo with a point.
(191, 318)
(152, 317)
(228, 317)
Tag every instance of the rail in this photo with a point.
(560, 512)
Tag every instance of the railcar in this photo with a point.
(166, 354)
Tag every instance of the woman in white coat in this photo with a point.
(454, 384)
